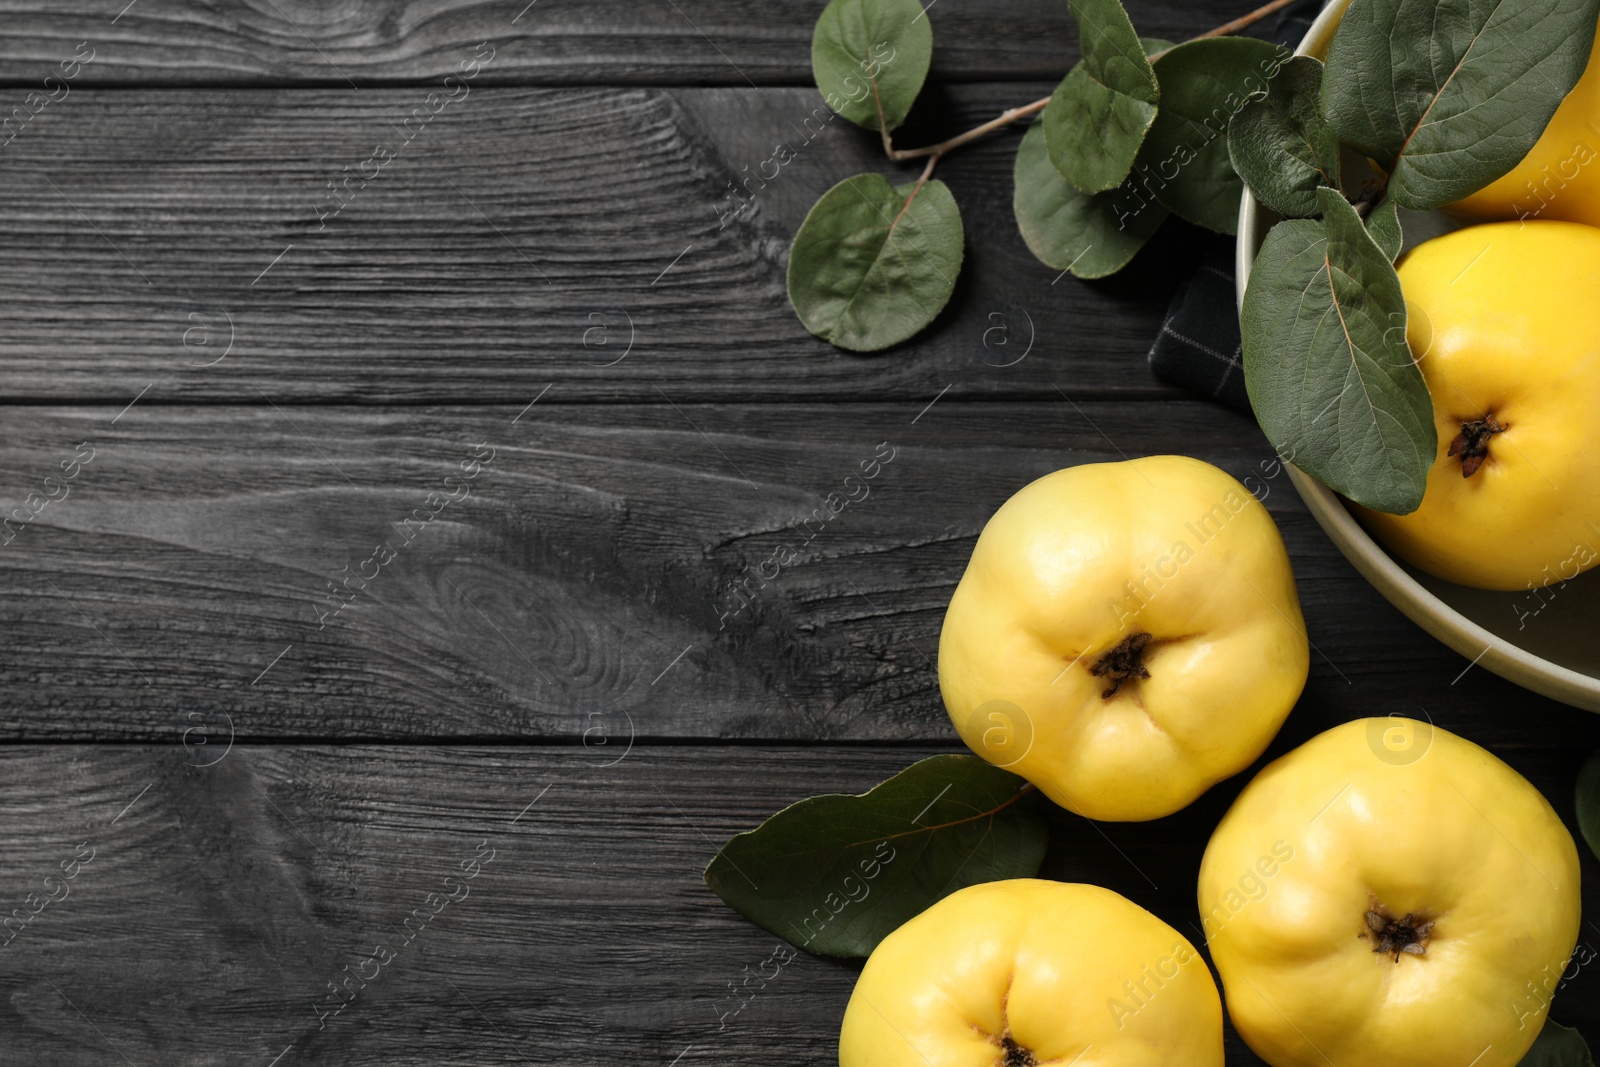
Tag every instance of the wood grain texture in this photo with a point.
(551, 42)
(549, 266)
(188, 242)
(221, 901)
(589, 577)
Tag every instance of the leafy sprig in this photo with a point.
(836, 874)
(1443, 96)
(1135, 131)
(1468, 89)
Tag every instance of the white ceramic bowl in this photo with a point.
(1549, 641)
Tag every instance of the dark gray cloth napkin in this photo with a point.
(1198, 346)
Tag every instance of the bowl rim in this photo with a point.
(1382, 571)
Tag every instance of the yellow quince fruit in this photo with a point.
(1559, 178)
(1028, 972)
(1498, 320)
(1125, 636)
(1390, 895)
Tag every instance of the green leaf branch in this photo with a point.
(1558, 1046)
(873, 263)
(1343, 395)
(1588, 803)
(836, 874)
(1419, 103)
(1443, 97)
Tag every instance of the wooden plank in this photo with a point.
(221, 901)
(590, 577)
(550, 42)
(191, 243)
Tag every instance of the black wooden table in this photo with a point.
(278, 673)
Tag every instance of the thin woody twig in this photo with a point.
(1006, 118)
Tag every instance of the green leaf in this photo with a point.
(874, 263)
(1184, 160)
(870, 58)
(1558, 1046)
(1589, 802)
(1467, 86)
(1326, 363)
(1384, 226)
(1092, 235)
(1101, 111)
(837, 874)
(1282, 146)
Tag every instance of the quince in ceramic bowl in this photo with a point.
(1543, 640)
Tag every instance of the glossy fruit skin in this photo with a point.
(1559, 179)
(1074, 564)
(1409, 818)
(1500, 320)
(1056, 966)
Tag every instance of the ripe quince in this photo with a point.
(1027, 972)
(1559, 178)
(1498, 318)
(1125, 636)
(1390, 895)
